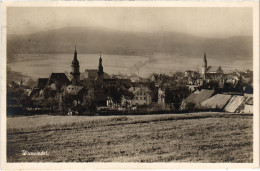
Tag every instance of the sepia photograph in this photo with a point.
(130, 83)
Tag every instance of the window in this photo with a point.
(144, 93)
(136, 98)
(140, 98)
(144, 98)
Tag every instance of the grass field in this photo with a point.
(198, 137)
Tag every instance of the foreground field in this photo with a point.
(204, 137)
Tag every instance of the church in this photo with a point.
(78, 88)
(210, 71)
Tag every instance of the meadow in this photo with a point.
(195, 137)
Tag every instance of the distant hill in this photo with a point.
(93, 40)
(17, 76)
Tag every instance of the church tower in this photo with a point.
(204, 66)
(100, 69)
(75, 69)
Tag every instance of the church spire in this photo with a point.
(75, 68)
(204, 61)
(204, 66)
(75, 52)
(100, 68)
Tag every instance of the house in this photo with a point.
(240, 104)
(29, 83)
(134, 78)
(58, 78)
(234, 104)
(214, 70)
(217, 102)
(41, 83)
(248, 108)
(192, 74)
(91, 75)
(230, 80)
(141, 95)
(196, 98)
(38, 87)
(35, 92)
(12, 84)
(119, 76)
(210, 71)
(116, 81)
(75, 93)
(199, 82)
(124, 82)
(192, 88)
(74, 90)
(248, 104)
(125, 103)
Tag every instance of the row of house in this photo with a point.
(159, 88)
(211, 100)
(78, 85)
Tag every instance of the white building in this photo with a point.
(141, 95)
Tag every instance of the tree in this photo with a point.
(117, 92)
(153, 92)
(15, 92)
(175, 95)
(27, 102)
(68, 100)
(48, 92)
(178, 74)
(50, 103)
(88, 101)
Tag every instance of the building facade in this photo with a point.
(141, 95)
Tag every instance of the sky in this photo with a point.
(213, 22)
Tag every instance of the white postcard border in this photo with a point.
(91, 166)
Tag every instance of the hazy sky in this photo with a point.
(206, 22)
